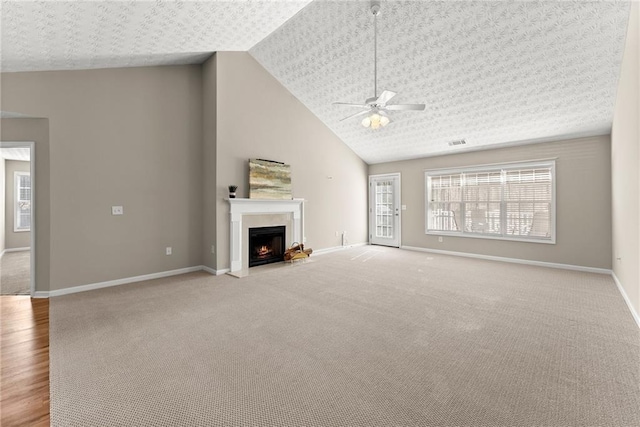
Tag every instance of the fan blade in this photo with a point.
(404, 107)
(361, 113)
(351, 104)
(385, 97)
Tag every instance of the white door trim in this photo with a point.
(399, 199)
(32, 170)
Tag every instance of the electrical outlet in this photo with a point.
(440, 239)
(404, 207)
(117, 210)
(169, 250)
(213, 249)
(337, 234)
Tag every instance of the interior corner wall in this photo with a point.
(2, 205)
(583, 200)
(14, 239)
(129, 137)
(37, 131)
(257, 117)
(625, 160)
(209, 118)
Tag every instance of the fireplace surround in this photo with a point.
(249, 213)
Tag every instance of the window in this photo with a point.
(384, 208)
(511, 202)
(22, 201)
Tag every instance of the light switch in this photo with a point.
(117, 210)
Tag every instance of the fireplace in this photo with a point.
(266, 245)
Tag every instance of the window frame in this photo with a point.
(503, 168)
(16, 201)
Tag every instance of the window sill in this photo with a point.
(551, 241)
(22, 230)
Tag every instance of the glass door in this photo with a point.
(384, 210)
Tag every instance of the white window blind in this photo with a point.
(22, 201)
(445, 202)
(513, 202)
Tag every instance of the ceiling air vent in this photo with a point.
(458, 142)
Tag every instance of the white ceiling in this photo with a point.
(490, 72)
(65, 35)
(15, 153)
(12, 115)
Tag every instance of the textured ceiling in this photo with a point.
(63, 35)
(12, 115)
(15, 153)
(490, 72)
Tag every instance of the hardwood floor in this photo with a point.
(24, 372)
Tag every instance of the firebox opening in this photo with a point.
(266, 245)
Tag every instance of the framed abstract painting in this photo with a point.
(269, 180)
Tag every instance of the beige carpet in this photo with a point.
(368, 336)
(15, 273)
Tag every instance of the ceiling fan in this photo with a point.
(376, 107)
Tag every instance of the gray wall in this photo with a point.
(2, 205)
(258, 118)
(37, 131)
(583, 178)
(130, 137)
(165, 142)
(209, 159)
(625, 158)
(21, 239)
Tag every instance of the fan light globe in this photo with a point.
(375, 121)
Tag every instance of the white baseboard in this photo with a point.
(117, 282)
(209, 270)
(315, 252)
(633, 311)
(512, 260)
(127, 280)
(337, 248)
(215, 272)
(15, 250)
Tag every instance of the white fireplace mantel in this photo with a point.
(241, 207)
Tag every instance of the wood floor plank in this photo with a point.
(24, 361)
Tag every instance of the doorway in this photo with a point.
(17, 218)
(384, 210)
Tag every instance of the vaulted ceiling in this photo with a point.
(492, 73)
(68, 35)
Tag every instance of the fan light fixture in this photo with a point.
(375, 109)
